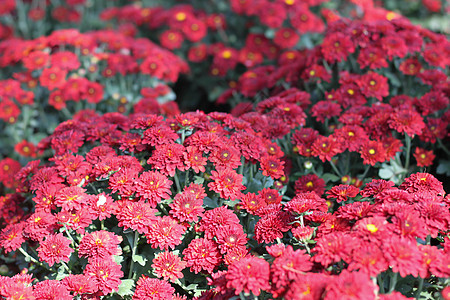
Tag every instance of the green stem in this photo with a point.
(241, 167)
(419, 289)
(70, 237)
(335, 168)
(393, 282)
(66, 267)
(135, 242)
(380, 283)
(408, 151)
(186, 178)
(177, 182)
(31, 258)
(365, 172)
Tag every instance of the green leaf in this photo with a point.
(118, 259)
(199, 180)
(126, 287)
(330, 177)
(386, 173)
(443, 167)
(61, 273)
(140, 259)
(393, 80)
(208, 202)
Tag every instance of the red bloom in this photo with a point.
(375, 187)
(9, 111)
(153, 289)
(368, 258)
(94, 92)
(272, 166)
(193, 158)
(374, 85)
(287, 267)
(25, 148)
(36, 60)
(202, 254)
(106, 274)
(326, 147)
(272, 226)
(423, 157)
(53, 78)
(407, 121)
(227, 183)
(286, 38)
(351, 137)
(334, 247)
(336, 47)
(303, 139)
(136, 215)
(306, 201)
(231, 237)
(55, 248)
(325, 110)
(248, 274)
(73, 197)
(57, 100)
(225, 156)
(310, 183)
(8, 168)
(342, 192)
(101, 244)
(65, 60)
(216, 218)
(187, 206)
(372, 152)
(51, 290)
(11, 237)
(123, 181)
(411, 66)
(168, 266)
(164, 233)
(403, 255)
(80, 284)
(168, 158)
(422, 182)
(251, 202)
(153, 187)
(39, 225)
(350, 285)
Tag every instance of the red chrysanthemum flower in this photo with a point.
(51, 290)
(225, 156)
(194, 159)
(287, 267)
(272, 166)
(251, 203)
(80, 284)
(422, 182)
(53, 78)
(373, 85)
(403, 255)
(159, 135)
(351, 285)
(250, 274)
(101, 244)
(136, 215)
(368, 258)
(153, 289)
(351, 137)
(8, 168)
(231, 237)
(168, 266)
(325, 110)
(303, 140)
(336, 47)
(227, 183)
(372, 152)
(310, 183)
(39, 225)
(72, 197)
(26, 149)
(202, 254)
(407, 121)
(123, 181)
(306, 201)
(334, 247)
(272, 226)
(214, 219)
(101, 206)
(11, 237)
(106, 274)
(55, 248)
(376, 186)
(326, 147)
(164, 233)
(342, 192)
(168, 158)
(186, 207)
(153, 187)
(423, 157)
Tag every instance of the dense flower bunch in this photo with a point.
(370, 88)
(188, 206)
(68, 70)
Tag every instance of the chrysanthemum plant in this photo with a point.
(194, 207)
(376, 99)
(47, 80)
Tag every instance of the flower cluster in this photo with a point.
(321, 179)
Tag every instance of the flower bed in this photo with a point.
(326, 178)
